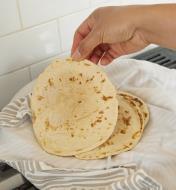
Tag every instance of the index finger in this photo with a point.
(82, 31)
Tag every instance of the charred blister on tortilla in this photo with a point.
(126, 120)
(102, 81)
(106, 98)
(50, 82)
(136, 134)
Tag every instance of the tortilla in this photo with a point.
(127, 134)
(142, 106)
(74, 107)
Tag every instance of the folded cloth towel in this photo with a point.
(19, 149)
(47, 177)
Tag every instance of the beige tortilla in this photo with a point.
(74, 107)
(127, 134)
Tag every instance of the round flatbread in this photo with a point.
(74, 107)
(127, 134)
(142, 106)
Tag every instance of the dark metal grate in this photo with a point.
(161, 56)
(6, 169)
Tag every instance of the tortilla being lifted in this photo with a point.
(74, 107)
(127, 134)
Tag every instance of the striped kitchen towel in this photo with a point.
(47, 177)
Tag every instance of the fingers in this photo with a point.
(115, 51)
(80, 34)
(96, 55)
(87, 45)
(106, 59)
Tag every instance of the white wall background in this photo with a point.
(33, 32)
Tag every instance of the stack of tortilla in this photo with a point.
(76, 111)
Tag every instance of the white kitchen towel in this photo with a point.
(47, 177)
(155, 153)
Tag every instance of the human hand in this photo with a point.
(108, 33)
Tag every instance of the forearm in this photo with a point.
(157, 24)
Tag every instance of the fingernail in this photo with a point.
(76, 55)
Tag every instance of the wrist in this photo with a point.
(156, 23)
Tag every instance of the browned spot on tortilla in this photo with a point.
(82, 129)
(95, 122)
(105, 118)
(80, 74)
(72, 135)
(98, 92)
(126, 111)
(125, 146)
(130, 143)
(109, 143)
(102, 81)
(40, 98)
(99, 120)
(99, 117)
(75, 116)
(141, 119)
(132, 103)
(98, 72)
(50, 81)
(124, 95)
(107, 107)
(79, 82)
(126, 120)
(92, 78)
(135, 135)
(145, 114)
(79, 101)
(60, 79)
(138, 101)
(47, 124)
(72, 78)
(92, 124)
(101, 112)
(105, 98)
(123, 131)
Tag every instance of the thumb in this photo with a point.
(87, 45)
